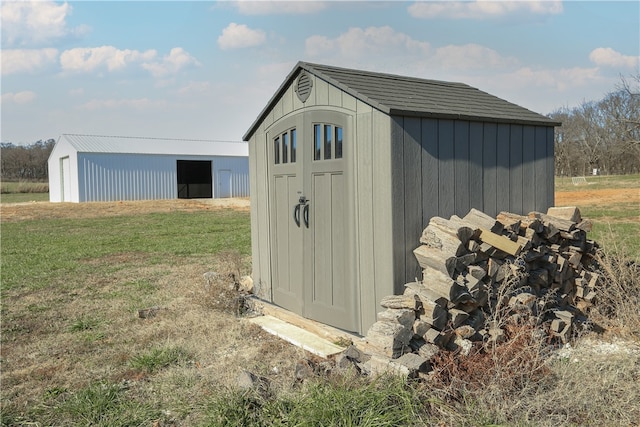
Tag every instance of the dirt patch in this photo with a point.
(601, 197)
(45, 210)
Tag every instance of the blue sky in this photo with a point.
(205, 70)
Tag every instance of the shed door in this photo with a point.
(285, 165)
(308, 219)
(65, 179)
(224, 183)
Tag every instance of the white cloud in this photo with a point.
(237, 36)
(28, 23)
(270, 7)
(21, 98)
(358, 42)
(471, 56)
(172, 63)
(26, 60)
(481, 9)
(607, 57)
(194, 88)
(111, 104)
(89, 59)
(561, 79)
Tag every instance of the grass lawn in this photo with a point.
(75, 351)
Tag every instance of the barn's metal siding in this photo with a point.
(108, 177)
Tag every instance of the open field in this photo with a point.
(9, 187)
(74, 350)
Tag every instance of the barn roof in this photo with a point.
(166, 146)
(411, 96)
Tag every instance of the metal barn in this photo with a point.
(347, 167)
(89, 168)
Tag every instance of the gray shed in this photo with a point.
(92, 168)
(347, 167)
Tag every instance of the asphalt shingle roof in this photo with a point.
(410, 96)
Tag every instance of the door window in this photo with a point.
(284, 147)
(327, 142)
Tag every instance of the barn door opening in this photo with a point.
(194, 179)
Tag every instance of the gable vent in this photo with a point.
(303, 86)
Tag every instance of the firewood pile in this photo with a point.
(478, 271)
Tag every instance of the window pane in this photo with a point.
(338, 142)
(285, 148)
(317, 141)
(276, 152)
(327, 141)
(293, 145)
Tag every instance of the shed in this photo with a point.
(90, 168)
(348, 166)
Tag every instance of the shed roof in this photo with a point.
(165, 146)
(411, 96)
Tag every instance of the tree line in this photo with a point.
(601, 135)
(25, 162)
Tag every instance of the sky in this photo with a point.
(205, 70)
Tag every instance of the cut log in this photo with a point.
(436, 259)
(571, 213)
(500, 242)
(388, 338)
(442, 234)
(403, 316)
(559, 223)
(420, 291)
(445, 286)
(458, 317)
(399, 302)
(479, 219)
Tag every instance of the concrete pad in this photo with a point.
(297, 336)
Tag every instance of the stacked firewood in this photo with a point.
(479, 270)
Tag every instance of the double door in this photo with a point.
(308, 218)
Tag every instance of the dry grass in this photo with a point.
(79, 339)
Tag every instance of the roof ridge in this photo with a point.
(150, 137)
(391, 76)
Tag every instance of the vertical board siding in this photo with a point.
(383, 209)
(430, 169)
(462, 166)
(504, 171)
(476, 177)
(411, 151)
(515, 170)
(528, 170)
(446, 169)
(550, 200)
(490, 168)
(255, 211)
(364, 192)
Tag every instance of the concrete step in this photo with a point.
(297, 336)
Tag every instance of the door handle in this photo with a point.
(305, 215)
(296, 215)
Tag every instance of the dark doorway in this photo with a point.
(194, 179)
